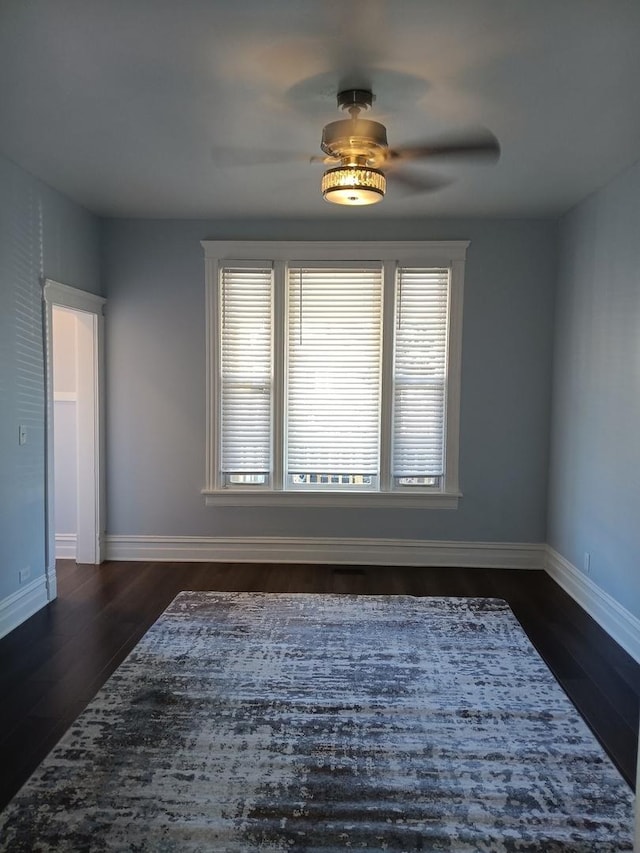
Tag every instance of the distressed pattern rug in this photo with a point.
(298, 722)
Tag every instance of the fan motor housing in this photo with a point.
(355, 138)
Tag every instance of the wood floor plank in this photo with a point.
(608, 726)
(54, 663)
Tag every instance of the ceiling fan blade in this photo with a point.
(227, 156)
(413, 184)
(327, 159)
(482, 145)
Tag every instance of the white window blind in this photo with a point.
(246, 372)
(420, 372)
(334, 357)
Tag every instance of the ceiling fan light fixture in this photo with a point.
(353, 185)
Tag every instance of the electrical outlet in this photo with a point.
(24, 574)
(587, 563)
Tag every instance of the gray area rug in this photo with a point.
(327, 722)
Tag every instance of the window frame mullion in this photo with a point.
(389, 275)
(214, 381)
(454, 376)
(278, 343)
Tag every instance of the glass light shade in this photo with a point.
(353, 185)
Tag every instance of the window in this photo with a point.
(333, 373)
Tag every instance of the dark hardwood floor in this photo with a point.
(53, 664)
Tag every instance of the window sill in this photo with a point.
(331, 500)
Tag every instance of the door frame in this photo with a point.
(91, 482)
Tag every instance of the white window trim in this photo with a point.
(407, 253)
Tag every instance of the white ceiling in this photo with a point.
(132, 107)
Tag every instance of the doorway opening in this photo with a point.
(74, 425)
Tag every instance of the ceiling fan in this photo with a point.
(361, 160)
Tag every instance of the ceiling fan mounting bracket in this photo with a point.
(355, 100)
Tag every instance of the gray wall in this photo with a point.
(42, 234)
(594, 495)
(154, 278)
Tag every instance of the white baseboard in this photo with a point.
(616, 620)
(52, 585)
(391, 552)
(66, 546)
(22, 604)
